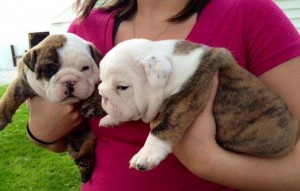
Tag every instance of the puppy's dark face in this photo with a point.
(63, 68)
(47, 63)
(44, 55)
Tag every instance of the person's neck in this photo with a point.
(155, 11)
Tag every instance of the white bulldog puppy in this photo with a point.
(168, 83)
(63, 69)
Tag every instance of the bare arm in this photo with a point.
(51, 122)
(199, 152)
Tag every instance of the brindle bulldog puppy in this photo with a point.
(168, 83)
(61, 69)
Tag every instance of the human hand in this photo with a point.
(51, 122)
(199, 139)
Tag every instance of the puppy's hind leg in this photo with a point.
(17, 92)
(81, 146)
(86, 157)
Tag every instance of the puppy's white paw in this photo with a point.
(152, 153)
(108, 121)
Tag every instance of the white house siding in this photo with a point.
(292, 10)
(57, 28)
(61, 22)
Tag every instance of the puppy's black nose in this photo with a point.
(69, 88)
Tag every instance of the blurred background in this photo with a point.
(24, 19)
(27, 21)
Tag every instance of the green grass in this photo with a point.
(27, 167)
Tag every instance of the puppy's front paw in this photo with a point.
(89, 110)
(86, 163)
(4, 121)
(3, 124)
(108, 121)
(152, 153)
(147, 159)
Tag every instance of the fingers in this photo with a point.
(51, 121)
(213, 92)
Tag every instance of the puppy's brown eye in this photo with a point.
(48, 70)
(85, 68)
(122, 87)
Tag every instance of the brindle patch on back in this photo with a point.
(250, 119)
(179, 110)
(185, 47)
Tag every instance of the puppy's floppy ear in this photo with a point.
(96, 55)
(30, 59)
(157, 69)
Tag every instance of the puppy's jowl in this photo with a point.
(61, 69)
(168, 83)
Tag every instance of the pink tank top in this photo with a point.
(258, 40)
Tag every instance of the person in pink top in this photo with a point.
(262, 40)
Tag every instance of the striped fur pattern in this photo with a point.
(250, 118)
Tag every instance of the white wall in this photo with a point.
(292, 10)
(18, 18)
(61, 22)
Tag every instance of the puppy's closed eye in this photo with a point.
(85, 68)
(122, 87)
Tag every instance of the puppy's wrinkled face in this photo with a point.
(63, 68)
(121, 95)
(132, 84)
(118, 96)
